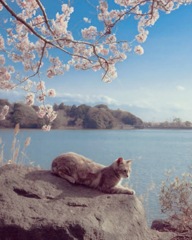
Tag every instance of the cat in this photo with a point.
(78, 169)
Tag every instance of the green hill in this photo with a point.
(73, 117)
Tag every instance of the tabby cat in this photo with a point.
(78, 169)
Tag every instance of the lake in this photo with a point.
(152, 151)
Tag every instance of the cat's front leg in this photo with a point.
(127, 189)
(120, 190)
(67, 177)
(132, 192)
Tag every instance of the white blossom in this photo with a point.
(41, 113)
(52, 116)
(87, 20)
(49, 108)
(141, 37)
(41, 97)
(46, 128)
(40, 85)
(139, 50)
(30, 99)
(51, 92)
(89, 33)
(2, 46)
(4, 112)
(2, 60)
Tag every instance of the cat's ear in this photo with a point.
(129, 161)
(119, 161)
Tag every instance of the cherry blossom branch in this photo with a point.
(109, 27)
(22, 21)
(44, 15)
(35, 33)
(100, 59)
(38, 67)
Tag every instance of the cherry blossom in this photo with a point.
(4, 112)
(46, 128)
(142, 36)
(41, 97)
(52, 116)
(89, 33)
(5, 74)
(41, 113)
(40, 85)
(51, 92)
(47, 112)
(87, 20)
(2, 46)
(139, 50)
(30, 99)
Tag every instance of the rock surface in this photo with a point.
(36, 205)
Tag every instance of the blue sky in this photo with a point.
(156, 86)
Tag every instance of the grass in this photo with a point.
(17, 153)
(176, 200)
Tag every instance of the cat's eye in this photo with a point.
(125, 171)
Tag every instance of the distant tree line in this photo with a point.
(175, 123)
(82, 117)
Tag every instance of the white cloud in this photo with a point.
(12, 95)
(86, 99)
(180, 88)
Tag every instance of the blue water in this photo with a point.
(152, 152)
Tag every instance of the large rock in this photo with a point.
(36, 205)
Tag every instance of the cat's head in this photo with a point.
(122, 167)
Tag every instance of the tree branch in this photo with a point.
(44, 15)
(37, 34)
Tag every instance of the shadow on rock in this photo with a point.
(66, 189)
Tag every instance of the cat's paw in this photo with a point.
(132, 192)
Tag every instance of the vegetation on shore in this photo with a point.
(176, 202)
(82, 117)
(176, 123)
(75, 117)
(17, 151)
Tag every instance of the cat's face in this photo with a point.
(123, 167)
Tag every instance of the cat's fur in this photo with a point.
(80, 170)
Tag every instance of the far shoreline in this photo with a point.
(94, 129)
